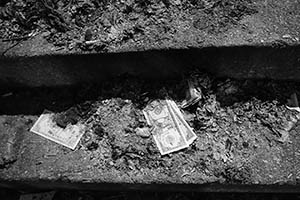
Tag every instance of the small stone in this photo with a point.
(286, 36)
(88, 35)
(146, 99)
(92, 146)
(28, 122)
(99, 131)
(46, 34)
(111, 163)
(106, 22)
(143, 132)
(131, 164)
(177, 2)
(232, 89)
(188, 116)
(106, 155)
(7, 95)
(245, 144)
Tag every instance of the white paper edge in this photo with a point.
(171, 151)
(293, 108)
(50, 138)
(174, 106)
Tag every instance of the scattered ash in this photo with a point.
(6, 162)
(219, 14)
(117, 120)
(236, 175)
(111, 23)
(234, 121)
(9, 151)
(74, 114)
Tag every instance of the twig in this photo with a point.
(16, 38)
(19, 40)
(92, 42)
(9, 48)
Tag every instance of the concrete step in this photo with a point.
(238, 62)
(35, 75)
(31, 161)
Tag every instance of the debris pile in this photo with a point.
(172, 128)
(135, 125)
(93, 25)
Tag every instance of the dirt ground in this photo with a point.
(245, 133)
(108, 26)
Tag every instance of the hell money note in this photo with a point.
(47, 128)
(184, 127)
(166, 133)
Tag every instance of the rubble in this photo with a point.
(143, 132)
(116, 22)
(232, 128)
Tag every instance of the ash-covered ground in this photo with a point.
(69, 24)
(243, 129)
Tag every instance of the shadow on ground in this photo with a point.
(277, 61)
(138, 195)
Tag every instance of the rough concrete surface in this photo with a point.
(258, 39)
(260, 44)
(246, 136)
(241, 124)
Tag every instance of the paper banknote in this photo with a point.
(184, 127)
(166, 133)
(47, 128)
